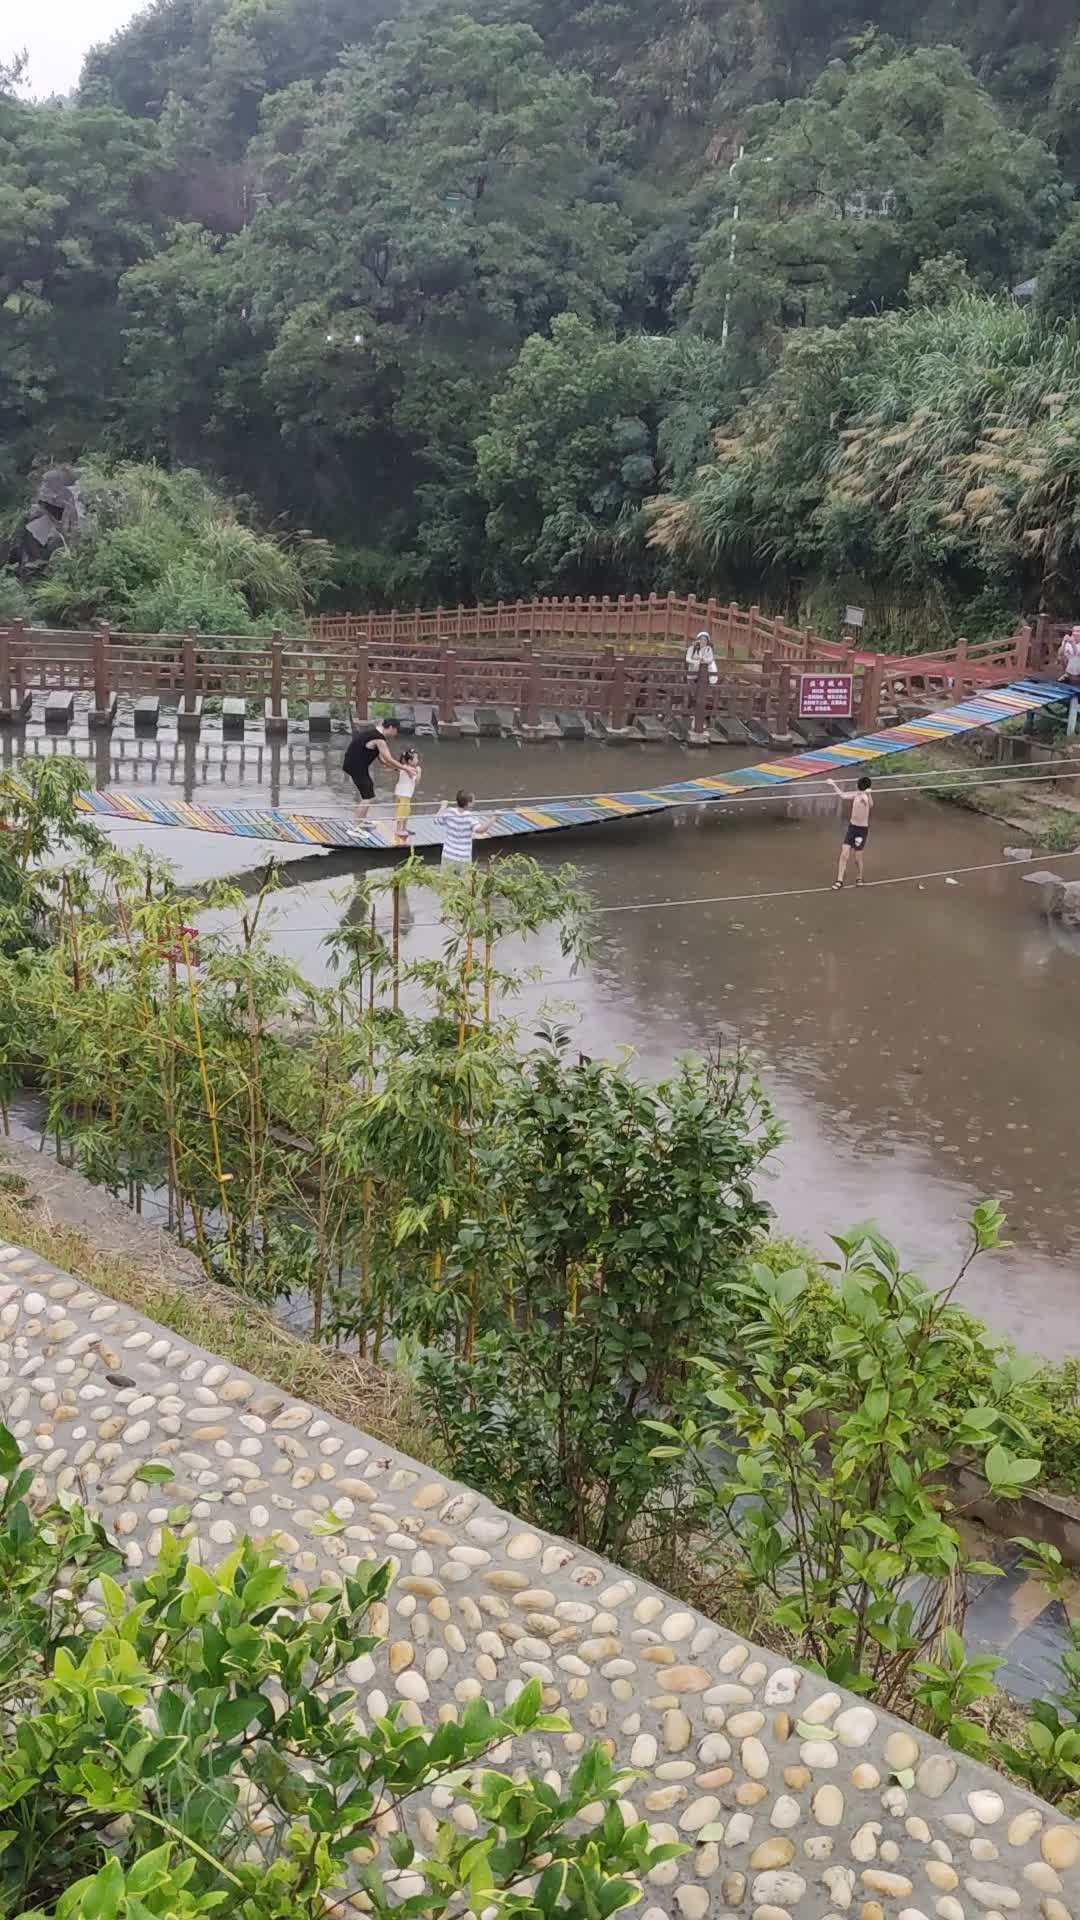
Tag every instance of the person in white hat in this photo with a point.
(700, 654)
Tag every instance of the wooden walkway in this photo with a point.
(508, 823)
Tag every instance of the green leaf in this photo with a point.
(153, 1473)
(1006, 1472)
(102, 1897)
(232, 1716)
(10, 1452)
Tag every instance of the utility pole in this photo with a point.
(731, 253)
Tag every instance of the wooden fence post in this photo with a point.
(530, 703)
(870, 697)
(751, 634)
(362, 683)
(448, 696)
(104, 707)
(18, 666)
(767, 679)
(276, 713)
(189, 714)
(701, 692)
(732, 628)
(961, 675)
(1021, 650)
(617, 695)
(782, 711)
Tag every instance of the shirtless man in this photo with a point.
(862, 805)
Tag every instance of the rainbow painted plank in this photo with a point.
(303, 829)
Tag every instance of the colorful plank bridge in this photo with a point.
(258, 823)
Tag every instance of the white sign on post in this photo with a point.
(854, 616)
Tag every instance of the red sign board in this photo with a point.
(825, 696)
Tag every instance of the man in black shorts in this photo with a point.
(367, 745)
(862, 803)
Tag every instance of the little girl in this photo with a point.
(407, 781)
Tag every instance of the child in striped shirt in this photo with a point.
(461, 828)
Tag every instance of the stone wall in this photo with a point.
(786, 1789)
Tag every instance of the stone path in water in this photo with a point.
(785, 1788)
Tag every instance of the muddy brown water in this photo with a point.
(919, 1042)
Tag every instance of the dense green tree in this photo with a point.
(1059, 275)
(842, 194)
(223, 57)
(81, 199)
(321, 249)
(438, 198)
(194, 359)
(580, 436)
(1065, 107)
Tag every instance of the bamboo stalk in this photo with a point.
(210, 1101)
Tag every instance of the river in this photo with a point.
(917, 1039)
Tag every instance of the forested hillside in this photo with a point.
(533, 296)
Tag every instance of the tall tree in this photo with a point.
(580, 436)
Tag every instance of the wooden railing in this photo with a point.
(626, 623)
(617, 659)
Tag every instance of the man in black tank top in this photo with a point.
(367, 745)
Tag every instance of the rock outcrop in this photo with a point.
(54, 518)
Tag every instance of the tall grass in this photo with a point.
(162, 551)
(932, 450)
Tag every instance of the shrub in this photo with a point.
(161, 552)
(625, 1210)
(14, 603)
(828, 1480)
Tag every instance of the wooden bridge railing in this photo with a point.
(613, 658)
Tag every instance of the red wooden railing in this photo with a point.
(614, 658)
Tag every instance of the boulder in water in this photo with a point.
(1063, 904)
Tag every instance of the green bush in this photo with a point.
(830, 1482)
(162, 552)
(1053, 1405)
(14, 604)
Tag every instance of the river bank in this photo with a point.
(1038, 797)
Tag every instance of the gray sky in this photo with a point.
(57, 35)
